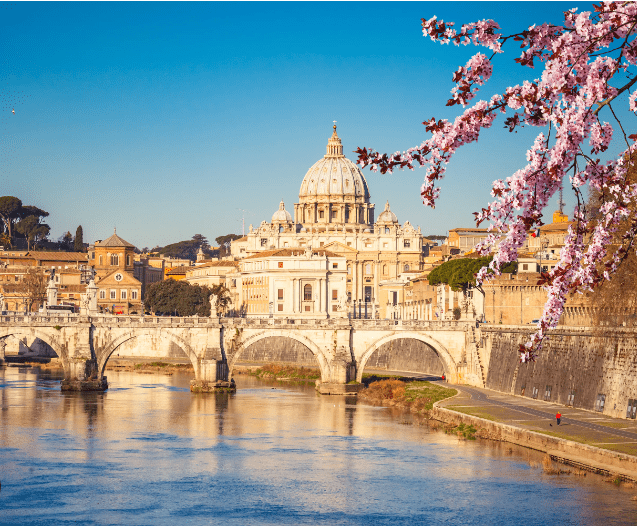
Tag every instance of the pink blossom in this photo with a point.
(580, 63)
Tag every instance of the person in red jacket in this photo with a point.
(558, 417)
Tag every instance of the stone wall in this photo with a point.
(407, 355)
(578, 360)
(278, 349)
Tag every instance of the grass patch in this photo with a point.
(385, 376)
(465, 431)
(619, 447)
(473, 412)
(628, 449)
(614, 425)
(564, 436)
(286, 372)
(418, 397)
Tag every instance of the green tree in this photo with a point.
(34, 231)
(32, 287)
(30, 210)
(201, 240)
(460, 274)
(10, 208)
(224, 243)
(5, 240)
(182, 299)
(182, 249)
(78, 243)
(67, 241)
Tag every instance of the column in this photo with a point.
(377, 270)
(354, 280)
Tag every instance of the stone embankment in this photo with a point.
(584, 439)
(583, 456)
(427, 399)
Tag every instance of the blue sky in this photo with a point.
(167, 119)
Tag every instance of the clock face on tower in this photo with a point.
(119, 277)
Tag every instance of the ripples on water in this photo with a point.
(149, 452)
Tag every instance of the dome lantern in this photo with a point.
(334, 145)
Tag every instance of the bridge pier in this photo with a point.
(342, 367)
(341, 373)
(81, 370)
(213, 376)
(81, 374)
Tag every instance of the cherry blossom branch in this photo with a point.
(574, 87)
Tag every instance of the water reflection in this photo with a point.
(147, 451)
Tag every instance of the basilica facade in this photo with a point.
(335, 214)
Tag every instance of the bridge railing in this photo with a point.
(174, 321)
(104, 319)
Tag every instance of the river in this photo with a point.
(148, 452)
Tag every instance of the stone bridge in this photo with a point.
(341, 348)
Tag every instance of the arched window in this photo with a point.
(368, 269)
(101, 261)
(406, 267)
(307, 293)
(280, 229)
(114, 260)
(386, 230)
(384, 269)
(128, 260)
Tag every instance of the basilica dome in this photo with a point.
(281, 214)
(334, 178)
(387, 216)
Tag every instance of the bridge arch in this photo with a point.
(19, 332)
(449, 365)
(312, 347)
(104, 354)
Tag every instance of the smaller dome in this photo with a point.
(387, 216)
(281, 214)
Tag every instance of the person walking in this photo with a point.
(558, 417)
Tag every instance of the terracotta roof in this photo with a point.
(114, 241)
(480, 230)
(288, 252)
(216, 264)
(178, 270)
(556, 226)
(56, 256)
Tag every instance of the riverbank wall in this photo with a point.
(590, 458)
(580, 367)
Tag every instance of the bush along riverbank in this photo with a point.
(273, 371)
(414, 396)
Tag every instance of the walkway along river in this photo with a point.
(147, 451)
